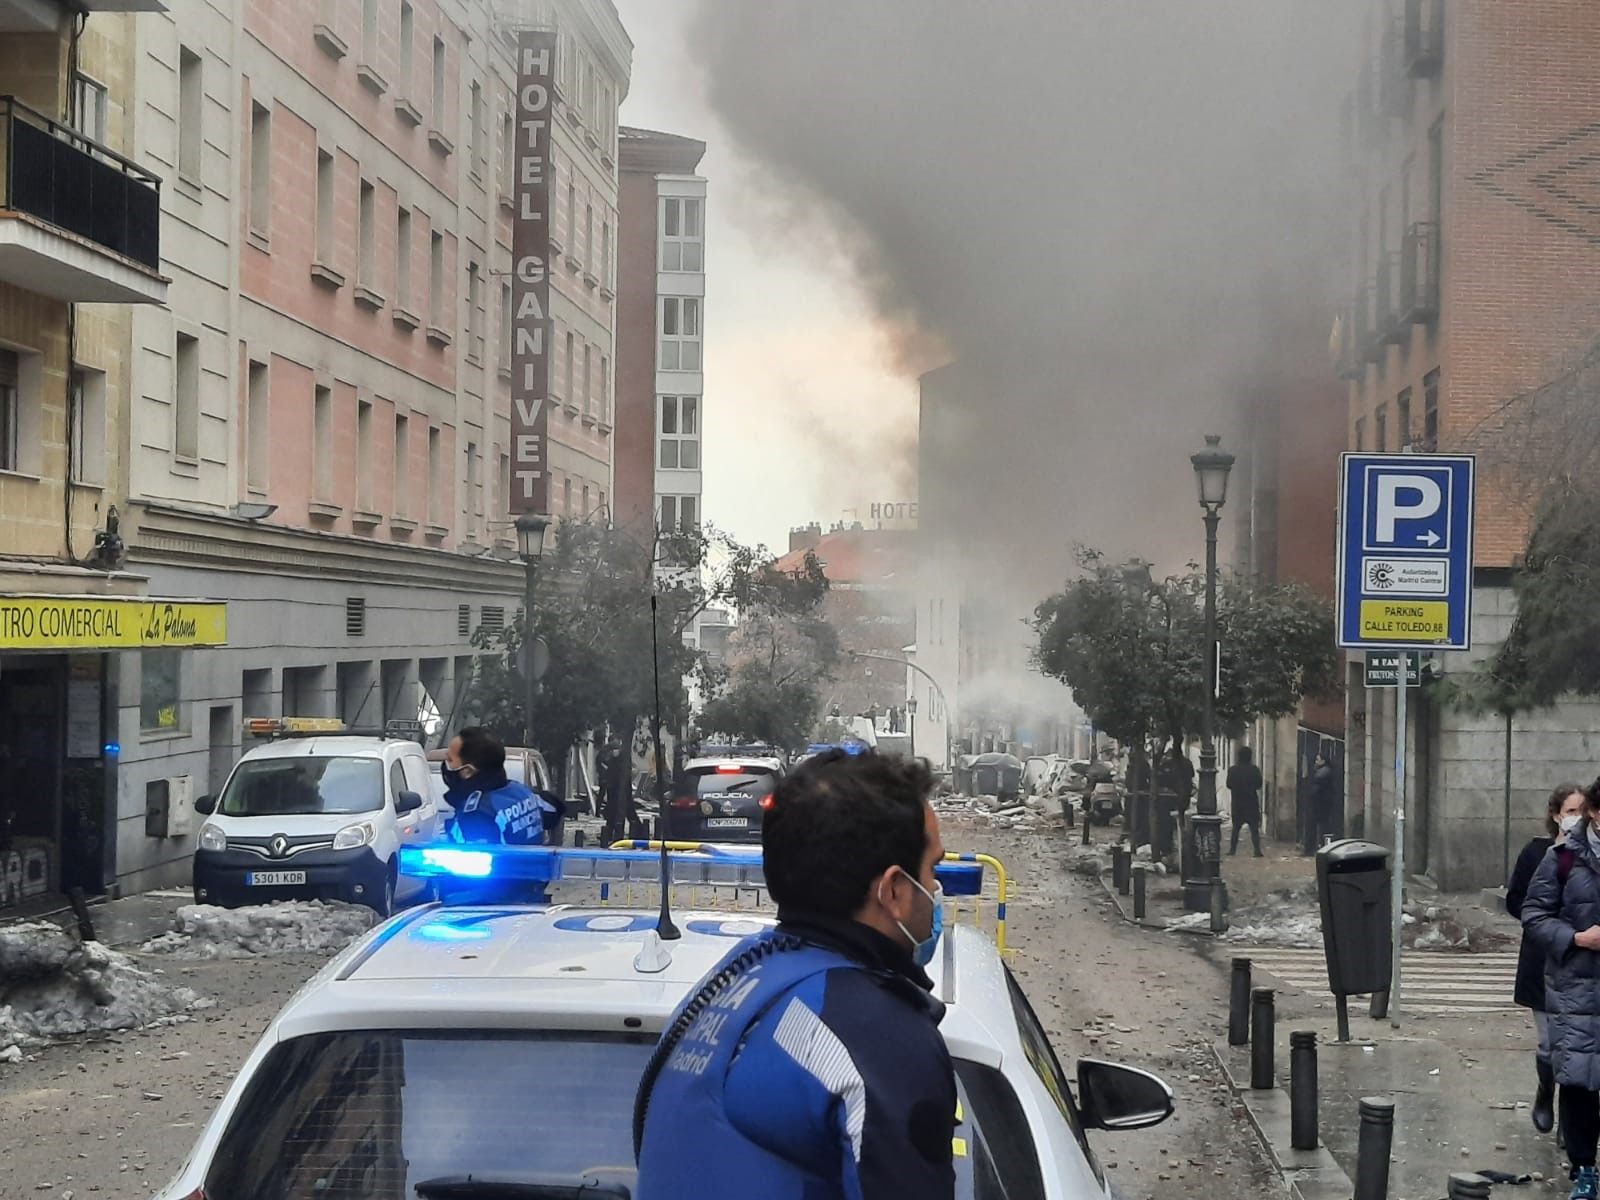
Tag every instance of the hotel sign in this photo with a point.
(530, 276)
(97, 623)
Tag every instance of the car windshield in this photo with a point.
(370, 1114)
(746, 781)
(278, 787)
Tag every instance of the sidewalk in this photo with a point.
(126, 921)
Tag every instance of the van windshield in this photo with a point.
(280, 787)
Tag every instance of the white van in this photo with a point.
(316, 813)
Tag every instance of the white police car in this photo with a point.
(316, 812)
(495, 1050)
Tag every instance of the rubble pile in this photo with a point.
(206, 931)
(53, 986)
(1019, 813)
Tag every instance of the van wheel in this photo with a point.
(383, 904)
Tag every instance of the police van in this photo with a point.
(317, 811)
(496, 1050)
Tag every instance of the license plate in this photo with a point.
(274, 878)
(727, 822)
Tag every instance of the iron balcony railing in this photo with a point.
(54, 173)
(1419, 274)
(1424, 37)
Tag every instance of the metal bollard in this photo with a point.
(1121, 862)
(1141, 874)
(1239, 1004)
(578, 839)
(1067, 813)
(1303, 1089)
(1464, 1185)
(1085, 826)
(1262, 1045)
(1219, 906)
(1373, 1148)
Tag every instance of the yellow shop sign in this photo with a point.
(98, 623)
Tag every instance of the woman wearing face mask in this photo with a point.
(1562, 814)
(1561, 912)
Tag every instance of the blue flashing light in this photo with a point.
(467, 864)
(112, 749)
(444, 931)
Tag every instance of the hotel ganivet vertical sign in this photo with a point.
(530, 286)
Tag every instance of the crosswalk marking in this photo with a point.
(1432, 982)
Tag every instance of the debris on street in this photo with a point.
(52, 986)
(207, 931)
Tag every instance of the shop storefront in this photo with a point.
(59, 662)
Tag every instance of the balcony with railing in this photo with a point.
(1348, 360)
(1424, 37)
(1419, 274)
(1387, 317)
(78, 221)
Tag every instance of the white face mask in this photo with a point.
(1570, 822)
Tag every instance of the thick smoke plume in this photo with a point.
(1115, 213)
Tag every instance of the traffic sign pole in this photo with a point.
(1397, 899)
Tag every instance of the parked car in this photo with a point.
(721, 799)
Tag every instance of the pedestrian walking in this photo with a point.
(1322, 813)
(1561, 912)
(1563, 813)
(1244, 794)
(808, 1065)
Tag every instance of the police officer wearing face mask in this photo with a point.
(809, 1065)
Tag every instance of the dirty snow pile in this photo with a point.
(53, 986)
(1021, 814)
(1436, 927)
(284, 927)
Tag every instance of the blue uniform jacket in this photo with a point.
(809, 1066)
(492, 808)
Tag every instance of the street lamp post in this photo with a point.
(911, 718)
(1211, 467)
(530, 542)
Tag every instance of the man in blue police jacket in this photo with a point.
(809, 1065)
(489, 806)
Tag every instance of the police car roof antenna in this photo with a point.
(665, 929)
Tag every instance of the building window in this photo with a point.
(588, 237)
(402, 258)
(326, 235)
(680, 333)
(1402, 417)
(682, 233)
(588, 379)
(474, 313)
(1430, 410)
(87, 396)
(402, 462)
(322, 441)
(572, 219)
(680, 514)
(89, 108)
(186, 397)
(369, 32)
(506, 332)
(435, 473)
(585, 510)
(475, 127)
(1380, 429)
(367, 217)
(605, 253)
(435, 276)
(258, 429)
(605, 389)
(408, 45)
(364, 455)
(473, 507)
(10, 412)
(680, 433)
(508, 155)
(505, 480)
(260, 168)
(566, 496)
(191, 113)
(438, 83)
(160, 690)
(1361, 434)
(572, 361)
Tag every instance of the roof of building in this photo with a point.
(658, 152)
(870, 557)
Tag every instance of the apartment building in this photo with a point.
(1474, 277)
(660, 331)
(319, 427)
(80, 250)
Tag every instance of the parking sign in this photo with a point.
(1405, 551)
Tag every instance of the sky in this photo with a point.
(794, 357)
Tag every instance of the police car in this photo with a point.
(722, 797)
(486, 1051)
(316, 811)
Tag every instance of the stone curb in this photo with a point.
(1308, 1174)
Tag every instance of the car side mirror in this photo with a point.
(405, 802)
(206, 805)
(1116, 1097)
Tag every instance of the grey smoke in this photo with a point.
(1117, 213)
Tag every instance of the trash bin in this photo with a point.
(1353, 888)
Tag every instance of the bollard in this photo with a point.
(1239, 1004)
(1303, 1089)
(1464, 1185)
(1261, 1039)
(578, 838)
(1085, 826)
(1219, 906)
(1067, 813)
(1121, 861)
(1141, 873)
(80, 909)
(1373, 1147)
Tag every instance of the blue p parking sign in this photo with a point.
(1405, 551)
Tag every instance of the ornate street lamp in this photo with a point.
(530, 543)
(1211, 467)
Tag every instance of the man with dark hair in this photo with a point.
(809, 1064)
(1244, 793)
(489, 806)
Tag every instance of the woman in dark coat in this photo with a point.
(1562, 813)
(1562, 913)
